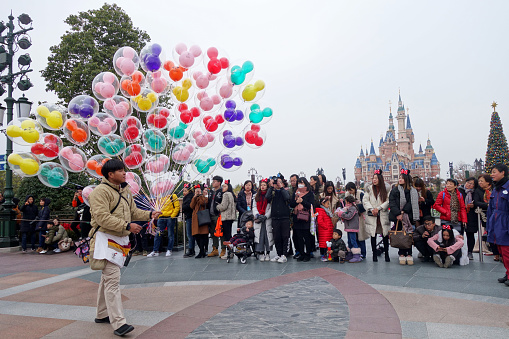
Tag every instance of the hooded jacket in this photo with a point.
(103, 200)
(30, 212)
(171, 208)
(44, 215)
(498, 215)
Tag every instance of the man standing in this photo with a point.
(170, 210)
(215, 197)
(497, 224)
(112, 207)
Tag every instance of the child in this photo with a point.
(56, 232)
(325, 227)
(350, 217)
(246, 234)
(338, 248)
(447, 247)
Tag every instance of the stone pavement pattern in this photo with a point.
(54, 296)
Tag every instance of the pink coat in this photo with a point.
(451, 249)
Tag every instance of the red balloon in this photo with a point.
(164, 112)
(51, 139)
(131, 133)
(160, 121)
(219, 119)
(137, 158)
(136, 148)
(258, 141)
(186, 117)
(182, 107)
(50, 150)
(150, 118)
(195, 111)
(131, 121)
(212, 126)
(37, 148)
(214, 66)
(207, 119)
(224, 63)
(255, 128)
(249, 137)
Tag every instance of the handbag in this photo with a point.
(303, 215)
(399, 238)
(204, 217)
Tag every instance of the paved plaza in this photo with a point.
(54, 296)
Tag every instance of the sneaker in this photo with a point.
(470, 256)
(24, 251)
(324, 258)
(282, 259)
(224, 256)
(449, 260)
(58, 250)
(402, 260)
(437, 260)
(43, 252)
(276, 258)
(153, 254)
(267, 257)
(145, 253)
(342, 260)
(409, 261)
(502, 280)
(123, 330)
(296, 256)
(306, 258)
(168, 253)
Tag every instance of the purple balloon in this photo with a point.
(237, 162)
(239, 115)
(227, 132)
(229, 141)
(74, 109)
(156, 49)
(229, 115)
(86, 111)
(230, 104)
(89, 101)
(227, 162)
(239, 141)
(152, 62)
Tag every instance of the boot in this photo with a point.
(386, 248)
(356, 255)
(223, 252)
(214, 252)
(373, 248)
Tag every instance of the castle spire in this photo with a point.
(420, 148)
(408, 125)
(372, 149)
(362, 152)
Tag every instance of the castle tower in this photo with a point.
(401, 119)
(372, 154)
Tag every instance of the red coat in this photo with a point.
(324, 227)
(443, 205)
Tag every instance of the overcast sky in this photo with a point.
(331, 68)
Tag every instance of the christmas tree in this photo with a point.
(497, 143)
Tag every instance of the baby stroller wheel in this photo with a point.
(228, 259)
(243, 260)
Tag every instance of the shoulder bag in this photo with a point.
(204, 217)
(400, 238)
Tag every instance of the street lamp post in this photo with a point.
(13, 41)
(451, 170)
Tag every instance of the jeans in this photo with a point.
(189, 231)
(24, 236)
(352, 240)
(162, 224)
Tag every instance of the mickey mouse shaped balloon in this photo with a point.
(241, 73)
(158, 118)
(24, 164)
(187, 58)
(254, 136)
(73, 159)
(205, 164)
(176, 73)
(134, 156)
(158, 163)
(86, 193)
(233, 112)
(146, 101)
(130, 129)
(24, 131)
(47, 148)
(177, 131)
(134, 182)
(203, 139)
(230, 161)
(187, 114)
(77, 132)
(213, 123)
(51, 116)
(131, 85)
(208, 102)
(183, 153)
(126, 61)
(259, 114)
(231, 141)
(53, 175)
(182, 90)
(118, 107)
(95, 165)
(111, 145)
(102, 124)
(105, 85)
(253, 92)
(152, 57)
(157, 82)
(154, 140)
(216, 61)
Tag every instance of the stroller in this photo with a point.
(242, 250)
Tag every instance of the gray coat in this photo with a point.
(268, 224)
(227, 207)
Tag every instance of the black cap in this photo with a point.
(218, 178)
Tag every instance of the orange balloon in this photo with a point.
(137, 77)
(134, 89)
(79, 134)
(92, 165)
(105, 160)
(176, 74)
(168, 65)
(71, 125)
(125, 84)
(98, 170)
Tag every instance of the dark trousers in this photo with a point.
(227, 231)
(405, 251)
(456, 255)
(85, 229)
(281, 233)
(423, 247)
(75, 224)
(303, 238)
(470, 241)
(202, 241)
(212, 229)
(24, 236)
(141, 240)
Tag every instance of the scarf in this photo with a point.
(414, 200)
(487, 195)
(455, 207)
(302, 192)
(261, 205)
(326, 211)
(249, 198)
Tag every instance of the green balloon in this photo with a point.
(267, 112)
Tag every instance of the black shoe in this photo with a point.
(102, 320)
(199, 256)
(297, 255)
(502, 280)
(426, 259)
(506, 283)
(375, 257)
(306, 258)
(123, 330)
(300, 258)
(188, 254)
(387, 259)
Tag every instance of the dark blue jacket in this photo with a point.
(498, 216)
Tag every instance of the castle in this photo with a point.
(396, 152)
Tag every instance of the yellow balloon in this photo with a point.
(30, 135)
(29, 166)
(152, 97)
(249, 93)
(144, 104)
(43, 111)
(15, 159)
(181, 94)
(259, 85)
(54, 120)
(14, 131)
(27, 124)
(137, 98)
(187, 84)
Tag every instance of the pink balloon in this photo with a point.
(159, 85)
(206, 104)
(98, 86)
(119, 111)
(109, 104)
(135, 188)
(202, 82)
(124, 104)
(127, 67)
(212, 52)
(210, 137)
(128, 52)
(94, 121)
(201, 95)
(66, 153)
(76, 163)
(119, 61)
(186, 59)
(216, 99)
(104, 128)
(180, 48)
(111, 122)
(190, 148)
(109, 77)
(195, 50)
(129, 176)
(107, 90)
(226, 91)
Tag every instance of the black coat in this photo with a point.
(307, 201)
(394, 205)
(280, 209)
(426, 205)
(186, 205)
(242, 202)
(30, 212)
(472, 217)
(212, 205)
(44, 215)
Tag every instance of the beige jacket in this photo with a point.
(102, 200)
(227, 207)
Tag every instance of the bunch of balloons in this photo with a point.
(211, 97)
